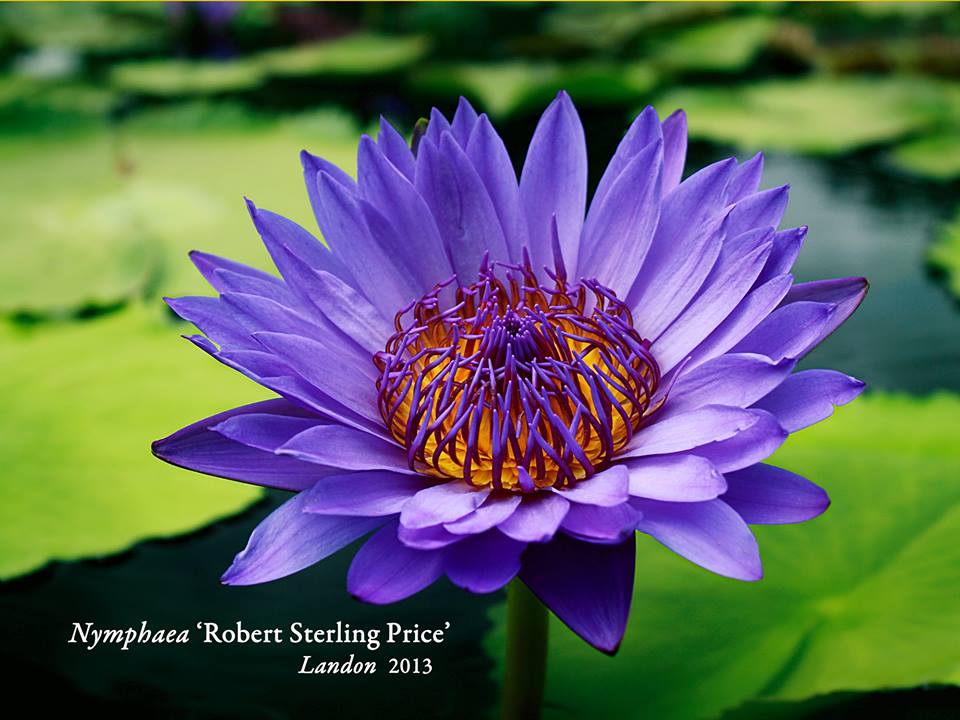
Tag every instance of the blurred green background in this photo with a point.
(129, 134)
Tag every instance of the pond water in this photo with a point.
(905, 337)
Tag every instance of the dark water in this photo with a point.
(906, 337)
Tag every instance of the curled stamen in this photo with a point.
(515, 385)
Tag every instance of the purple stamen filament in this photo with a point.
(515, 385)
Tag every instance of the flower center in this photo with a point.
(511, 384)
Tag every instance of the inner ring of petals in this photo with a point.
(511, 384)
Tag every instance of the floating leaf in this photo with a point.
(876, 578)
(84, 26)
(29, 106)
(818, 115)
(720, 46)
(81, 405)
(944, 255)
(607, 26)
(173, 78)
(505, 89)
(934, 156)
(359, 54)
(108, 218)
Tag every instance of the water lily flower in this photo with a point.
(493, 379)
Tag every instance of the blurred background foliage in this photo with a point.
(130, 133)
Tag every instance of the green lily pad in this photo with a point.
(30, 106)
(818, 115)
(175, 78)
(937, 155)
(82, 403)
(611, 26)
(205, 176)
(944, 255)
(506, 89)
(108, 218)
(859, 599)
(81, 26)
(353, 55)
(934, 156)
(721, 46)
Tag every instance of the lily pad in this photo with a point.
(97, 220)
(81, 404)
(934, 156)
(944, 255)
(82, 26)
(175, 78)
(353, 55)
(721, 46)
(818, 114)
(876, 578)
(506, 89)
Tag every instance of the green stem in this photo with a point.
(526, 664)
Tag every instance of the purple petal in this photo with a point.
(483, 563)
(284, 238)
(350, 311)
(601, 524)
(746, 179)
(630, 209)
(644, 130)
(768, 495)
(685, 247)
(395, 149)
(375, 493)
(790, 331)
(492, 162)
(346, 449)
(381, 274)
(385, 570)
(757, 305)
(554, 182)
(463, 210)
(289, 540)
(589, 586)
(209, 316)
(786, 247)
(464, 120)
(266, 431)
(760, 210)
(208, 265)
(313, 166)
(415, 236)
(738, 265)
(324, 368)
(690, 429)
(274, 289)
(495, 509)
(754, 444)
(536, 519)
(269, 371)
(710, 534)
(607, 488)
(674, 149)
(809, 397)
(675, 478)
(845, 294)
(437, 126)
(442, 503)
(256, 314)
(427, 538)
(737, 380)
(198, 447)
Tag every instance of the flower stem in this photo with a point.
(526, 664)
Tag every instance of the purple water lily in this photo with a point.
(496, 380)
